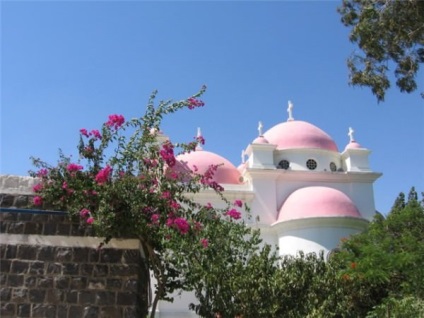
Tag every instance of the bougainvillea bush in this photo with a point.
(125, 184)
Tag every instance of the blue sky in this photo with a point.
(68, 65)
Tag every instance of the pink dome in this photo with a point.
(353, 145)
(199, 161)
(299, 134)
(260, 140)
(313, 202)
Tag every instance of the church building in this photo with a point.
(303, 192)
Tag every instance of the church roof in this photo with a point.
(317, 201)
(295, 134)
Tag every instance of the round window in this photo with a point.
(333, 166)
(311, 164)
(284, 164)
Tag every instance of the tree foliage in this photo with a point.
(385, 31)
(381, 266)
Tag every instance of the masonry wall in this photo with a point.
(51, 267)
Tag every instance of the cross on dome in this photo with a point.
(199, 137)
(290, 111)
(260, 127)
(350, 134)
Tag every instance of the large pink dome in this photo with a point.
(200, 160)
(299, 134)
(313, 202)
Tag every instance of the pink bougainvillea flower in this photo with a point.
(84, 132)
(73, 167)
(96, 134)
(238, 203)
(167, 153)
(42, 173)
(115, 121)
(84, 213)
(90, 220)
(175, 205)
(37, 187)
(194, 102)
(204, 242)
(182, 225)
(38, 200)
(155, 218)
(169, 222)
(103, 175)
(234, 214)
(200, 140)
(166, 195)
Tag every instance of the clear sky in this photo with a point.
(68, 65)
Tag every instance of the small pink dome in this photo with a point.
(312, 202)
(353, 145)
(199, 161)
(299, 134)
(260, 140)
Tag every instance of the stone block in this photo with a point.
(70, 269)
(109, 255)
(24, 310)
(37, 295)
(62, 311)
(131, 284)
(33, 228)
(54, 296)
(7, 310)
(19, 295)
(78, 282)
(123, 270)
(110, 312)
(86, 269)
(46, 253)
(24, 217)
(10, 252)
(113, 283)
(5, 293)
(96, 283)
(16, 228)
(19, 267)
(100, 270)
(6, 200)
(54, 268)
(61, 282)
(75, 311)
(5, 265)
(86, 297)
(63, 229)
(26, 252)
(104, 298)
(131, 312)
(49, 228)
(81, 254)
(43, 311)
(126, 299)
(132, 257)
(90, 312)
(45, 282)
(16, 281)
(72, 296)
(36, 268)
(30, 281)
(63, 254)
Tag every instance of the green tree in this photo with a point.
(385, 31)
(381, 266)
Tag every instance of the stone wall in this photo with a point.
(52, 267)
